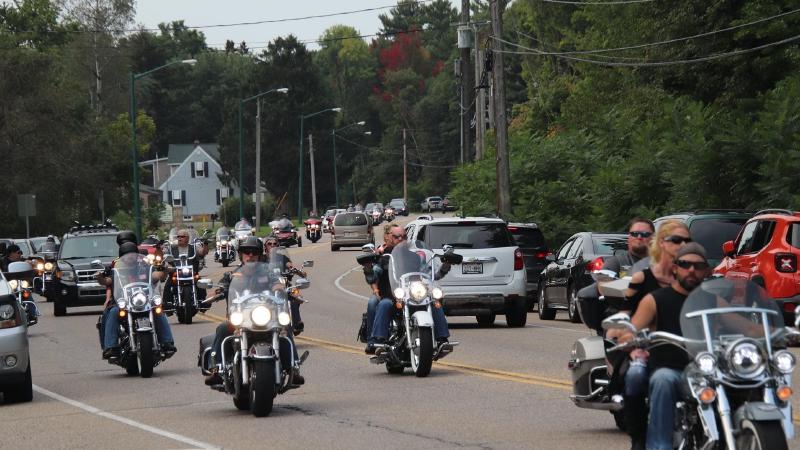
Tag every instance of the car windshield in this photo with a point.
(369, 206)
(90, 246)
(350, 220)
(608, 244)
(527, 237)
(466, 235)
(23, 245)
(712, 233)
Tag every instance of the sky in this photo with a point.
(150, 13)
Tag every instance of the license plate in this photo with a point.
(349, 234)
(143, 322)
(471, 268)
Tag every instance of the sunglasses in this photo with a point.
(640, 234)
(271, 244)
(677, 240)
(249, 252)
(698, 265)
(399, 236)
(183, 237)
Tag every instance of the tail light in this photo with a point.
(789, 307)
(595, 264)
(542, 255)
(519, 262)
(786, 262)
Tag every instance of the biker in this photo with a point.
(378, 292)
(49, 246)
(660, 311)
(13, 254)
(183, 247)
(110, 328)
(251, 251)
(383, 314)
(640, 232)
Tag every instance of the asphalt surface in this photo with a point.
(501, 388)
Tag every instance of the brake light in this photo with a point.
(519, 263)
(786, 262)
(512, 229)
(595, 264)
(789, 307)
(542, 255)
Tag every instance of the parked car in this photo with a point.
(327, 219)
(399, 205)
(491, 280)
(351, 229)
(75, 282)
(37, 242)
(766, 252)
(569, 270)
(16, 383)
(710, 228)
(24, 245)
(431, 204)
(531, 241)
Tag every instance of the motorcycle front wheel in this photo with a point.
(422, 354)
(225, 262)
(761, 436)
(144, 358)
(262, 387)
(241, 394)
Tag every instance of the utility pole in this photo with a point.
(501, 124)
(480, 100)
(258, 164)
(313, 175)
(405, 169)
(465, 32)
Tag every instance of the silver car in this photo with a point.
(351, 229)
(15, 369)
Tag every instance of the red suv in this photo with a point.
(766, 252)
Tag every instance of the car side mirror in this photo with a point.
(619, 321)
(550, 257)
(727, 249)
(97, 264)
(301, 283)
(308, 263)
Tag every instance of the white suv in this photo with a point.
(491, 280)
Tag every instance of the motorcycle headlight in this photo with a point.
(13, 284)
(284, 318)
(25, 284)
(139, 300)
(157, 300)
(236, 318)
(784, 361)
(418, 290)
(150, 258)
(40, 266)
(185, 271)
(260, 315)
(224, 242)
(706, 363)
(121, 304)
(745, 359)
(48, 266)
(437, 293)
(68, 275)
(399, 293)
(6, 312)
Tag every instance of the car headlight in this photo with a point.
(48, 266)
(40, 266)
(68, 275)
(6, 311)
(139, 300)
(745, 359)
(784, 361)
(437, 293)
(13, 284)
(25, 284)
(399, 293)
(706, 363)
(236, 318)
(260, 315)
(284, 318)
(418, 290)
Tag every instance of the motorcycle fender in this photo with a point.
(423, 319)
(261, 351)
(143, 325)
(757, 411)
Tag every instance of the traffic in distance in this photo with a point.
(676, 332)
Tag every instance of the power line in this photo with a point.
(618, 2)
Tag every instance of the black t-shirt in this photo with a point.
(191, 255)
(648, 285)
(668, 318)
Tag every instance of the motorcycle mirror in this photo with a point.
(204, 283)
(169, 259)
(367, 258)
(301, 283)
(604, 275)
(797, 316)
(97, 264)
(308, 263)
(448, 248)
(619, 321)
(369, 248)
(452, 258)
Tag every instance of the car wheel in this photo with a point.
(334, 248)
(516, 313)
(22, 392)
(486, 320)
(545, 312)
(572, 309)
(59, 308)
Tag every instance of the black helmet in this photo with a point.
(252, 242)
(126, 236)
(127, 247)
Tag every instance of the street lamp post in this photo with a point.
(134, 153)
(333, 136)
(300, 168)
(258, 150)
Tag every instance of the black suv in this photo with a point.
(711, 228)
(531, 241)
(75, 277)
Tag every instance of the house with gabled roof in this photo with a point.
(194, 182)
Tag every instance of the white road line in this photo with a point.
(338, 284)
(99, 412)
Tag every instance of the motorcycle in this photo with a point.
(258, 360)
(18, 274)
(184, 280)
(411, 341)
(44, 281)
(241, 231)
(388, 214)
(737, 387)
(376, 216)
(285, 233)
(224, 252)
(136, 295)
(313, 229)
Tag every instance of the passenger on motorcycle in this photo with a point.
(110, 328)
(297, 322)
(251, 250)
(183, 247)
(372, 279)
(660, 311)
(385, 309)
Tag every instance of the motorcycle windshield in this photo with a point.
(257, 294)
(133, 282)
(720, 311)
(223, 234)
(173, 235)
(284, 225)
(406, 264)
(242, 226)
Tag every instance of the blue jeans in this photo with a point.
(383, 318)
(111, 328)
(372, 308)
(664, 391)
(636, 380)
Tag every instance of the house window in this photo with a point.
(177, 197)
(199, 169)
(219, 198)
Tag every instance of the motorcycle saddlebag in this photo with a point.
(592, 310)
(587, 362)
(362, 331)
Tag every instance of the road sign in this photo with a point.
(26, 205)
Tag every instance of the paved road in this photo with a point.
(501, 388)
